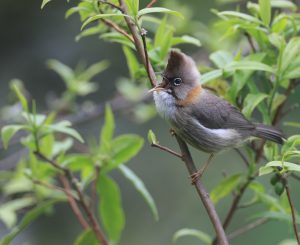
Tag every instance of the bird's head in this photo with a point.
(180, 78)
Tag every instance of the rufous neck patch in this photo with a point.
(191, 96)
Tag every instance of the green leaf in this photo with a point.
(221, 58)
(123, 149)
(107, 130)
(44, 3)
(152, 137)
(163, 38)
(158, 10)
(64, 71)
(284, 166)
(251, 102)
(133, 6)
(64, 127)
(285, 4)
(225, 187)
(98, 17)
(110, 207)
(240, 15)
(8, 211)
(93, 70)
(292, 124)
(186, 39)
(140, 187)
(248, 65)
(192, 232)
(211, 75)
(7, 132)
(290, 52)
(87, 237)
(16, 87)
(132, 63)
(28, 218)
(265, 11)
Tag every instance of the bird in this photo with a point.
(205, 121)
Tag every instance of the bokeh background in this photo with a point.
(29, 37)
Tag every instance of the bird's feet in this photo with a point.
(195, 176)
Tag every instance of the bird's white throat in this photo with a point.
(165, 104)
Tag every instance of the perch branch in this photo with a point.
(292, 212)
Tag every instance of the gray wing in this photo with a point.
(215, 113)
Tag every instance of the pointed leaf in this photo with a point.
(107, 130)
(211, 75)
(251, 102)
(158, 10)
(87, 237)
(186, 39)
(98, 17)
(265, 11)
(141, 188)
(44, 3)
(7, 132)
(152, 137)
(110, 207)
(16, 87)
(192, 232)
(132, 62)
(123, 149)
(225, 187)
(248, 65)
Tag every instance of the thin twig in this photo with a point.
(143, 34)
(138, 43)
(244, 158)
(186, 156)
(112, 5)
(149, 5)
(73, 203)
(250, 41)
(91, 217)
(167, 150)
(293, 212)
(247, 228)
(117, 28)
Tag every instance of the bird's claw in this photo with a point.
(195, 176)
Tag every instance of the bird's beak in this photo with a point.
(158, 87)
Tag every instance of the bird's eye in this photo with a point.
(177, 81)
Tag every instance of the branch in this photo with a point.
(117, 28)
(209, 206)
(166, 149)
(112, 5)
(91, 217)
(138, 43)
(244, 158)
(247, 228)
(149, 5)
(186, 156)
(293, 212)
(73, 203)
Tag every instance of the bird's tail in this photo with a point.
(268, 133)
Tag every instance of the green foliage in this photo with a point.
(205, 238)
(256, 68)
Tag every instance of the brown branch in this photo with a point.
(117, 28)
(73, 203)
(247, 228)
(167, 150)
(94, 185)
(244, 158)
(250, 41)
(209, 206)
(292, 212)
(91, 217)
(138, 43)
(149, 5)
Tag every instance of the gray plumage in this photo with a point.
(207, 122)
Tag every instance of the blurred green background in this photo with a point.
(29, 37)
